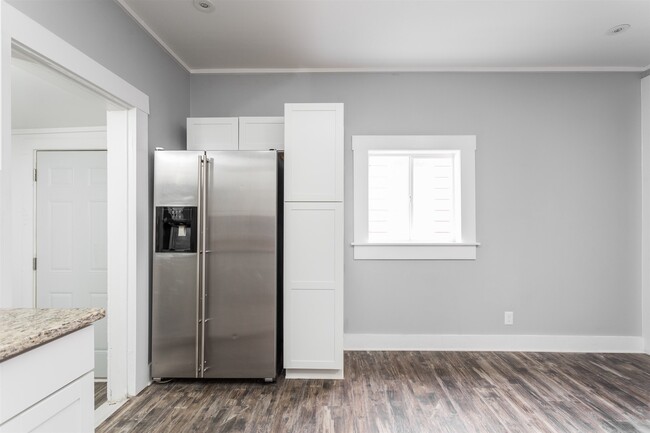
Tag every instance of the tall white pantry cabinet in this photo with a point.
(313, 241)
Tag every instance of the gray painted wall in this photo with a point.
(105, 32)
(558, 195)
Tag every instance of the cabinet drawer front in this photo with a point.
(69, 410)
(33, 375)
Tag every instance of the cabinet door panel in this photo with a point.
(69, 410)
(312, 336)
(314, 152)
(261, 133)
(313, 276)
(212, 133)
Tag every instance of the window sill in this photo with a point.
(414, 251)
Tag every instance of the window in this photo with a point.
(414, 197)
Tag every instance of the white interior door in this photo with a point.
(71, 240)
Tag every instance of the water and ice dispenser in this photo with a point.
(176, 229)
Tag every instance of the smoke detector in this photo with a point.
(617, 30)
(204, 5)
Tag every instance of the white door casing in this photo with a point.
(71, 240)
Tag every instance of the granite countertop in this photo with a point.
(22, 329)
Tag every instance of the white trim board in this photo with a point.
(73, 130)
(645, 211)
(406, 69)
(27, 33)
(490, 343)
(103, 412)
(300, 373)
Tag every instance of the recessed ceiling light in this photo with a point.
(617, 30)
(204, 5)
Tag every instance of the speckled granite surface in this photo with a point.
(22, 329)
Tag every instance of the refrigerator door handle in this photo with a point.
(199, 317)
(204, 205)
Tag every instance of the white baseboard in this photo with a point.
(298, 373)
(505, 343)
(103, 412)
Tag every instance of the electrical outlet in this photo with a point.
(508, 318)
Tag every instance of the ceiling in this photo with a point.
(44, 98)
(399, 35)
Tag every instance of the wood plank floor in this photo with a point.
(101, 395)
(412, 392)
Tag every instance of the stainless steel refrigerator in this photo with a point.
(217, 264)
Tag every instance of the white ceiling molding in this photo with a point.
(407, 70)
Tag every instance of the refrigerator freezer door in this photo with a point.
(174, 315)
(240, 331)
(175, 297)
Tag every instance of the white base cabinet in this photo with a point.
(50, 388)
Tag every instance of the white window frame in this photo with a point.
(465, 249)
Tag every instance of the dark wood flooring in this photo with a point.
(410, 392)
(101, 395)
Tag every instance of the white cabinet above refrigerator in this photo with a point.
(235, 133)
(212, 133)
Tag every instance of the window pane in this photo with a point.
(388, 198)
(433, 199)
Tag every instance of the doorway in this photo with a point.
(126, 122)
(60, 184)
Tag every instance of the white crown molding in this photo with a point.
(508, 343)
(153, 34)
(415, 69)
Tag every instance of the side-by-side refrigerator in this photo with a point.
(217, 264)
